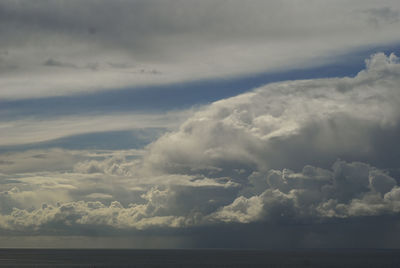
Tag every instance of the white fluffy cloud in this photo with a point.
(270, 155)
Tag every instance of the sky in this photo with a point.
(200, 124)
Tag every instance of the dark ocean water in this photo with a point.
(198, 258)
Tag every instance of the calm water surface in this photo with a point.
(198, 258)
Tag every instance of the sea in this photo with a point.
(199, 258)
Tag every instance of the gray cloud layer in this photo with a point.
(67, 47)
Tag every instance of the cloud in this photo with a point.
(38, 160)
(177, 40)
(290, 125)
(383, 15)
(116, 165)
(86, 213)
(31, 130)
(301, 153)
(67, 199)
(56, 63)
(349, 190)
(157, 207)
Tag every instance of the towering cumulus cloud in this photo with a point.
(289, 125)
(257, 139)
(296, 152)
